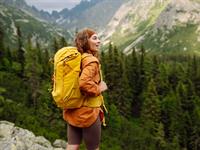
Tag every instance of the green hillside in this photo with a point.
(11, 18)
(180, 38)
(165, 26)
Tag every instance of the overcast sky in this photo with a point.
(50, 5)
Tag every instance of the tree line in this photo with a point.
(161, 93)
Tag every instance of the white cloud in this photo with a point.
(50, 5)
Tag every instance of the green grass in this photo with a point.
(178, 39)
(122, 40)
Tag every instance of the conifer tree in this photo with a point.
(175, 144)
(1, 44)
(125, 95)
(5, 63)
(194, 73)
(9, 55)
(177, 73)
(160, 137)
(109, 73)
(151, 107)
(46, 64)
(151, 116)
(141, 83)
(155, 68)
(116, 75)
(133, 76)
(20, 51)
(63, 42)
(163, 86)
(185, 122)
(33, 72)
(168, 107)
(55, 45)
(103, 62)
(39, 52)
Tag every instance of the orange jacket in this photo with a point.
(89, 85)
(90, 76)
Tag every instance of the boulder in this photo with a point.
(16, 138)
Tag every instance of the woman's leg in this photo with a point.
(74, 137)
(72, 147)
(92, 135)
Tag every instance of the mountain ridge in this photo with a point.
(150, 20)
(12, 17)
(85, 14)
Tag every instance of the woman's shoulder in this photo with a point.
(88, 58)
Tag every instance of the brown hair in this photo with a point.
(81, 41)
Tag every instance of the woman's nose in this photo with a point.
(98, 41)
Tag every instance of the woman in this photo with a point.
(85, 122)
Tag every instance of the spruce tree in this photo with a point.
(194, 73)
(160, 137)
(109, 73)
(103, 62)
(151, 107)
(20, 51)
(141, 82)
(47, 65)
(39, 52)
(9, 56)
(155, 67)
(55, 45)
(125, 95)
(33, 71)
(1, 44)
(133, 76)
(2, 50)
(62, 42)
(151, 117)
(185, 122)
(116, 73)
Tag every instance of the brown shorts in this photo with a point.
(91, 135)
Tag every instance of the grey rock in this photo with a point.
(60, 143)
(15, 138)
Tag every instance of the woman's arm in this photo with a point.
(87, 82)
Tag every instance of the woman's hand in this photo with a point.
(103, 86)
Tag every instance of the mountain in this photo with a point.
(21, 4)
(12, 17)
(95, 14)
(88, 13)
(157, 25)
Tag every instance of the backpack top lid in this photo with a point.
(66, 53)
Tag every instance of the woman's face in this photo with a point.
(94, 42)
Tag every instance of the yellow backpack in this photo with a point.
(66, 92)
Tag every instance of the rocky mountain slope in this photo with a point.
(156, 24)
(15, 138)
(11, 18)
(88, 13)
(21, 4)
(96, 16)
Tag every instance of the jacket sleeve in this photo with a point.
(87, 83)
